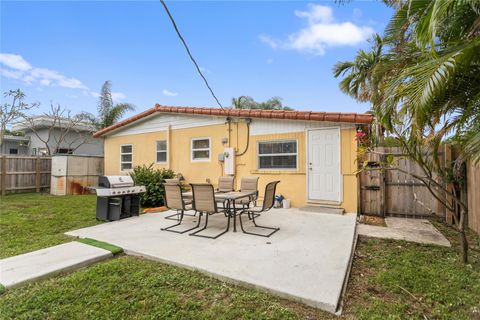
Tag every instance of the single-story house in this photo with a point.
(15, 145)
(313, 154)
(58, 136)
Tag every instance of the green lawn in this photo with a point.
(134, 288)
(32, 221)
(398, 279)
(389, 280)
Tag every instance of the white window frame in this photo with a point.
(209, 149)
(157, 151)
(125, 153)
(277, 154)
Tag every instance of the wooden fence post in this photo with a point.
(37, 174)
(447, 157)
(3, 183)
(383, 187)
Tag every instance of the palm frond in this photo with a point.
(117, 112)
(340, 68)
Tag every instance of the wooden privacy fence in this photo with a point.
(392, 192)
(24, 173)
(473, 187)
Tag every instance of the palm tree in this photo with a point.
(436, 93)
(442, 77)
(247, 102)
(426, 88)
(238, 103)
(109, 113)
(359, 82)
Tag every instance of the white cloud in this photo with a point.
(71, 96)
(169, 93)
(18, 68)
(118, 96)
(317, 13)
(321, 32)
(12, 74)
(14, 61)
(45, 82)
(28, 79)
(269, 41)
(205, 70)
(269, 60)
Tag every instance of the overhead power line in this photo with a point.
(190, 54)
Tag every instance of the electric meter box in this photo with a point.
(229, 161)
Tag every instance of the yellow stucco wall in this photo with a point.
(293, 182)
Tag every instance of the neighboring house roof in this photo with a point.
(15, 138)
(358, 118)
(46, 122)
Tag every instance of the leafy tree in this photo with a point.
(247, 102)
(109, 113)
(424, 86)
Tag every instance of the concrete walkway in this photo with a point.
(307, 260)
(414, 230)
(46, 262)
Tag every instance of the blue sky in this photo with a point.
(62, 52)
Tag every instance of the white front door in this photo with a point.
(323, 166)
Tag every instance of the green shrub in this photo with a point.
(151, 178)
(390, 142)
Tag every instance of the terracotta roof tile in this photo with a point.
(358, 118)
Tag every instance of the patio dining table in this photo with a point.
(229, 198)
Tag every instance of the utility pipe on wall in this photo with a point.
(247, 121)
(169, 134)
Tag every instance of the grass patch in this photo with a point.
(390, 279)
(398, 279)
(134, 288)
(2, 288)
(103, 245)
(32, 221)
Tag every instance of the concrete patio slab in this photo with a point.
(307, 260)
(46, 262)
(414, 230)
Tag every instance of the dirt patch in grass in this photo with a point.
(18, 205)
(373, 221)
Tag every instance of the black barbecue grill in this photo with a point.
(117, 197)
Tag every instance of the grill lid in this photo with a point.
(115, 181)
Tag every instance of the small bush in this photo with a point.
(390, 142)
(151, 178)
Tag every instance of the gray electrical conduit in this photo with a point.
(248, 141)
